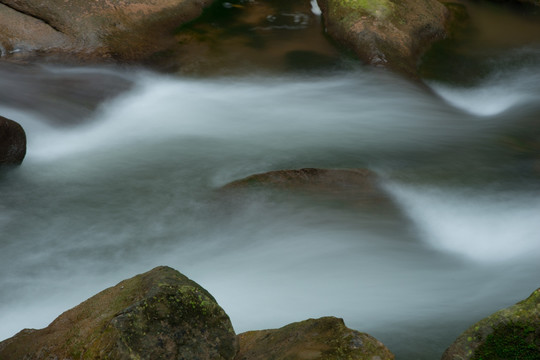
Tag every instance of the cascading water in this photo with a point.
(135, 186)
(124, 167)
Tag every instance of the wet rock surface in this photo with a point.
(391, 34)
(360, 184)
(237, 34)
(160, 314)
(241, 36)
(12, 142)
(510, 333)
(325, 338)
(123, 30)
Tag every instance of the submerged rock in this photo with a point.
(511, 333)
(357, 183)
(125, 30)
(387, 33)
(325, 338)
(12, 142)
(160, 314)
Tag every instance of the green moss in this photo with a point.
(379, 9)
(510, 341)
(138, 316)
(349, 12)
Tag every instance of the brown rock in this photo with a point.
(160, 314)
(22, 33)
(326, 338)
(387, 33)
(12, 142)
(126, 29)
(358, 184)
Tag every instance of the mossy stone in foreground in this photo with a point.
(326, 338)
(511, 333)
(160, 314)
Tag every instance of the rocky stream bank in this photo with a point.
(162, 314)
(384, 33)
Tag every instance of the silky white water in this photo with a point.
(125, 177)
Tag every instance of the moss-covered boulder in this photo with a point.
(12, 142)
(125, 30)
(357, 184)
(388, 33)
(160, 314)
(326, 338)
(511, 333)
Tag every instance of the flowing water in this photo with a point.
(124, 167)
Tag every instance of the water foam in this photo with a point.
(358, 110)
(499, 93)
(485, 101)
(480, 227)
(315, 9)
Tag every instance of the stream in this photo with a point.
(124, 167)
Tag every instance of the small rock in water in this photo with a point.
(359, 185)
(12, 142)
